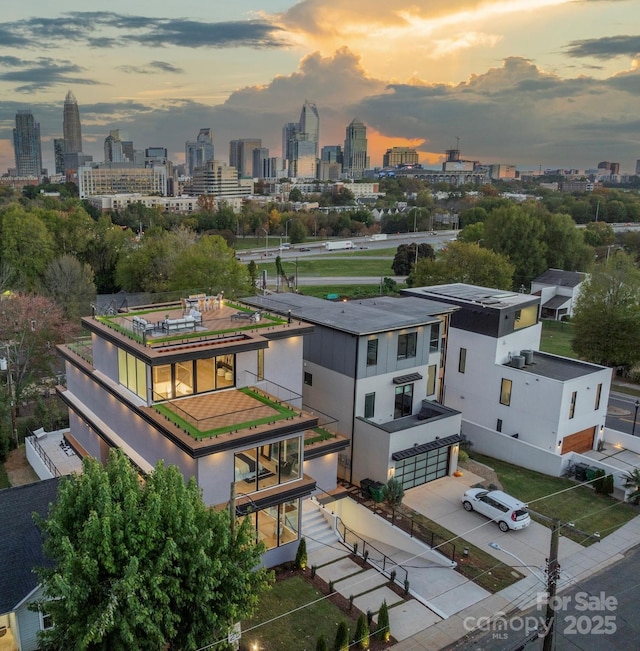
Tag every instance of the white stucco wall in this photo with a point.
(323, 470)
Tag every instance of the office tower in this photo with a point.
(199, 152)
(26, 143)
(398, 156)
(355, 150)
(260, 158)
(612, 168)
(638, 167)
(71, 125)
(114, 148)
(58, 153)
(300, 143)
(331, 154)
(241, 154)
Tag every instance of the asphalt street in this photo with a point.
(622, 413)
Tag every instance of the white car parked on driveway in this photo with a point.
(507, 511)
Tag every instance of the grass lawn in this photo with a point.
(343, 291)
(380, 253)
(297, 631)
(589, 511)
(556, 338)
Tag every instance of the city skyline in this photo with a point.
(535, 83)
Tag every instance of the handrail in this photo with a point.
(44, 456)
(388, 564)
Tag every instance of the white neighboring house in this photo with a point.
(498, 378)
(558, 291)
(377, 366)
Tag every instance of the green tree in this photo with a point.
(517, 234)
(405, 257)
(383, 631)
(342, 637)
(361, 637)
(607, 314)
(464, 263)
(295, 195)
(297, 232)
(632, 480)
(598, 234)
(472, 233)
(393, 493)
(565, 247)
(321, 643)
(301, 554)
(143, 564)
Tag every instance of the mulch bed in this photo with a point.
(287, 570)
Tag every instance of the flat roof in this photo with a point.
(559, 368)
(474, 295)
(355, 317)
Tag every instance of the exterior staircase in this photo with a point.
(315, 528)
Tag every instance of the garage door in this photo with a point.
(580, 441)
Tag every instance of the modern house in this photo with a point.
(498, 378)
(21, 553)
(214, 388)
(377, 365)
(558, 291)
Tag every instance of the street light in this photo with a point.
(496, 546)
(266, 242)
(635, 417)
(286, 229)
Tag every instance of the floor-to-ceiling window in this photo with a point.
(189, 377)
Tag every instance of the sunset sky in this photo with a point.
(535, 83)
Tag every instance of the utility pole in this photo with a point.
(12, 395)
(553, 573)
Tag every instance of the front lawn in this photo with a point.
(556, 338)
(588, 510)
(296, 631)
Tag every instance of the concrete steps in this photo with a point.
(315, 528)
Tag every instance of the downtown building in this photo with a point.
(200, 151)
(241, 154)
(356, 160)
(300, 143)
(27, 146)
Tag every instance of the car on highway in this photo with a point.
(500, 507)
(304, 248)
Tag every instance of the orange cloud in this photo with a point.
(377, 145)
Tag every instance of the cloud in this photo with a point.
(86, 27)
(154, 67)
(607, 47)
(42, 73)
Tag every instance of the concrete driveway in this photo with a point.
(440, 500)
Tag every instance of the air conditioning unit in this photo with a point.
(517, 361)
(528, 356)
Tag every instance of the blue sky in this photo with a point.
(551, 83)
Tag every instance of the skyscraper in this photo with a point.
(355, 150)
(199, 152)
(300, 143)
(241, 155)
(71, 125)
(58, 151)
(26, 144)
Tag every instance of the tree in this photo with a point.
(405, 257)
(383, 632)
(393, 493)
(295, 195)
(342, 637)
(607, 314)
(464, 263)
(361, 638)
(598, 234)
(143, 564)
(632, 480)
(321, 643)
(31, 326)
(517, 234)
(301, 554)
(70, 283)
(565, 247)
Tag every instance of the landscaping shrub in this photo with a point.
(598, 482)
(607, 485)
(383, 632)
(321, 643)
(342, 637)
(301, 555)
(463, 456)
(361, 639)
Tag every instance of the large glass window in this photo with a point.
(260, 364)
(369, 405)
(404, 401)
(435, 338)
(205, 375)
(162, 385)
(526, 317)
(431, 380)
(462, 360)
(505, 392)
(572, 406)
(277, 525)
(598, 396)
(132, 373)
(407, 344)
(267, 466)
(184, 378)
(372, 352)
(189, 377)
